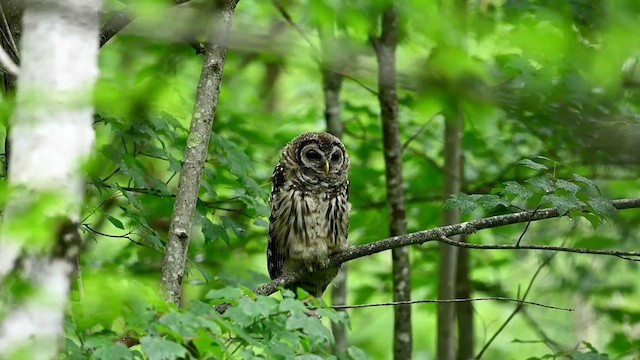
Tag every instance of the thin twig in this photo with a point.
(411, 302)
(527, 227)
(125, 236)
(119, 21)
(285, 14)
(419, 132)
(518, 307)
(10, 40)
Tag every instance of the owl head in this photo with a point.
(318, 158)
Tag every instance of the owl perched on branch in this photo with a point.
(309, 210)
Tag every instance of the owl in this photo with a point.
(310, 207)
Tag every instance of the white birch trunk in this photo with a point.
(51, 135)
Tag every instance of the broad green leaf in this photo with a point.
(514, 188)
(227, 293)
(586, 181)
(211, 231)
(567, 185)
(562, 203)
(532, 164)
(542, 182)
(464, 202)
(160, 349)
(113, 352)
(602, 207)
(588, 356)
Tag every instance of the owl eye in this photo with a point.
(335, 157)
(313, 155)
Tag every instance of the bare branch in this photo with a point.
(518, 308)
(7, 63)
(491, 298)
(440, 234)
(119, 21)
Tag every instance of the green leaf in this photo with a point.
(532, 164)
(292, 305)
(562, 203)
(589, 356)
(514, 188)
(542, 182)
(462, 201)
(160, 349)
(261, 223)
(113, 352)
(227, 293)
(567, 185)
(489, 202)
(117, 223)
(211, 231)
(586, 181)
(602, 207)
(357, 353)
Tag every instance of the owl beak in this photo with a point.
(326, 167)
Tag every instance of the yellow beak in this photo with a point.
(326, 167)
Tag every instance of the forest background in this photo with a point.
(451, 111)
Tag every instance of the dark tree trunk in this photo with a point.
(175, 257)
(449, 254)
(464, 310)
(385, 48)
(332, 83)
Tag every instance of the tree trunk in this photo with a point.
(175, 257)
(385, 48)
(449, 254)
(51, 137)
(464, 310)
(332, 84)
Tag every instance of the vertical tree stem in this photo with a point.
(449, 254)
(175, 257)
(332, 83)
(385, 48)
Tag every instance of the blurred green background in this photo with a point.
(553, 81)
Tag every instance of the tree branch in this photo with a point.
(175, 258)
(490, 298)
(441, 234)
(119, 21)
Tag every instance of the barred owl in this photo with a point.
(309, 210)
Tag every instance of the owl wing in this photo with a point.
(275, 254)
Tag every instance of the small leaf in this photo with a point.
(563, 204)
(113, 352)
(567, 185)
(462, 201)
(589, 356)
(227, 293)
(160, 349)
(514, 188)
(542, 182)
(211, 231)
(357, 353)
(489, 202)
(586, 181)
(602, 207)
(532, 164)
(261, 223)
(117, 223)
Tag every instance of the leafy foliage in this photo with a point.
(548, 90)
(253, 326)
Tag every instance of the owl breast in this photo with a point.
(308, 226)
